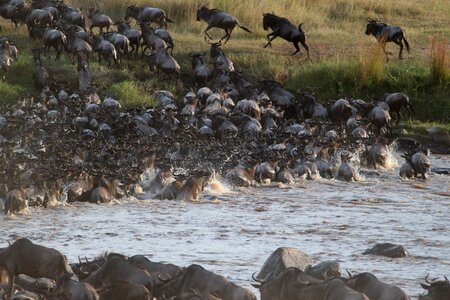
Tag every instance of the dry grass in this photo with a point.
(344, 61)
(439, 61)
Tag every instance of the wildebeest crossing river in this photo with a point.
(233, 231)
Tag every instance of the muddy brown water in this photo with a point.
(233, 231)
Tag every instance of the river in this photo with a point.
(233, 231)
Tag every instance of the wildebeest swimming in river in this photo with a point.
(283, 28)
(387, 33)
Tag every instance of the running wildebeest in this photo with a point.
(387, 33)
(283, 28)
(219, 19)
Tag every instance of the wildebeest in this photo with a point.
(120, 42)
(150, 40)
(202, 72)
(387, 33)
(71, 16)
(283, 28)
(125, 290)
(25, 257)
(419, 162)
(117, 268)
(193, 186)
(166, 37)
(375, 289)
(56, 39)
(378, 154)
(69, 289)
(220, 60)
(159, 271)
(162, 60)
(437, 290)
(218, 19)
(285, 285)
(10, 12)
(132, 34)
(99, 20)
(310, 108)
(40, 73)
(396, 102)
(84, 74)
(196, 277)
(147, 14)
(346, 172)
(38, 17)
(15, 201)
(8, 54)
(104, 49)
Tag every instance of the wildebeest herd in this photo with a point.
(67, 145)
(36, 272)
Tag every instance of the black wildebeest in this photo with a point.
(283, 28)
(387, 33)
(24, 257)
(219, 19)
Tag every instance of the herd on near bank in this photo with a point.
(34, 272)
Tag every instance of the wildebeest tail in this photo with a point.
(169, 20)
(245, 28)
(406, 43)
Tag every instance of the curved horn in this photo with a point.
(349, 275)
(446, 279)
(302, 282)
(426, 279)
(165, 280)
(256, 279)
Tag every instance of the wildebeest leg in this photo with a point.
(206, 32)
(399, 42)
(383, 46)
(228, 35)
(99, 58)
(306, 48)
(274, 36)
(296, 47)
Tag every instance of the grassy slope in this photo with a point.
(345, 62)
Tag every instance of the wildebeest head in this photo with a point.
(216, 50)
(202, 12)
(373, 27)
(131, 11)
(437, 290)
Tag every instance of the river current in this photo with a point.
(232, 231)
